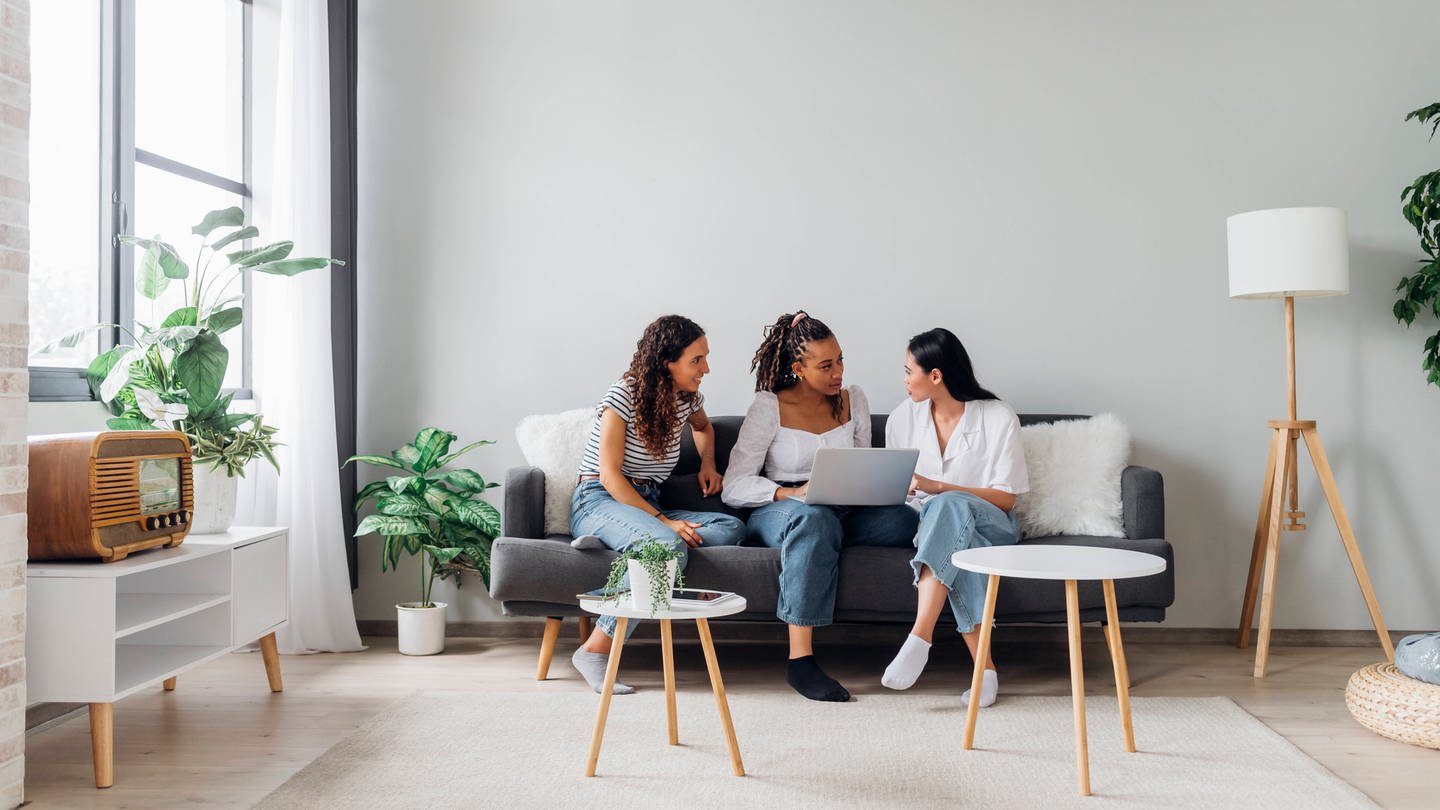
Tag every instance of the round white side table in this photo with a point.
(1071, 564)
(700, 614)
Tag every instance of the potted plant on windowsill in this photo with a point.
(653, 569)
(436, 514)
(169, 376)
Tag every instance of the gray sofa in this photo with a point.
(533, 574)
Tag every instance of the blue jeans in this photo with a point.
(949, 522)
(594, 511)
(810, 539)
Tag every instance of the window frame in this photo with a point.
(116, 186)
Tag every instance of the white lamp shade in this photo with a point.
(1280, 252)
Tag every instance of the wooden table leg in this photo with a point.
(1077, 685)
(1117, 658)
(169, 684)
(547, 647)
(713, 664)
(667, 655)
(271, 654)
(982, 654)
(102, 743)
(585, 629)
(611, 671)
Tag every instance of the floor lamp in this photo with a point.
(1291, 253)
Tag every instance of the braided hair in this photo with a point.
(783, 346)
(651, 387)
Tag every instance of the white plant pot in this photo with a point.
(640, 585)
(421, 629)
(214, 507)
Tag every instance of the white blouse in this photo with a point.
(765, 452)
(984, 452)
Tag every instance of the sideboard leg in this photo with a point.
(271, 655)
(170, 684)
(102, 743)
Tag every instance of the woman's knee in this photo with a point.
(950, 506)
(724, 530)
(816, 524)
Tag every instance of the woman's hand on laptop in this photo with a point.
(685, 530)
(710, 481)
(929, 486)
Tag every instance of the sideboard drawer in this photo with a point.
(262, 587)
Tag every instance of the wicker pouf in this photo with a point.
(1392, 704)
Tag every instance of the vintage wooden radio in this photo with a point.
(108, 494)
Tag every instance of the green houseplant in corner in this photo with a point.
(437, 514)
(1421, 291)
(169, 375)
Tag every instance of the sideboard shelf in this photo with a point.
(98, 632)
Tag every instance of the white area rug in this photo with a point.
(465, 749)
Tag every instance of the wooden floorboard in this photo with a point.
(223, 740)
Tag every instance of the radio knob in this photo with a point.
(149, 523)
(172, 519)
(184, 517)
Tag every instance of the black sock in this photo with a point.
(806, 677)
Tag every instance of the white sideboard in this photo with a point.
(97, 632)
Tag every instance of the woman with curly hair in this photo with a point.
(801, 405)
(634, 444)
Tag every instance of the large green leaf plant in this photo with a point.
(1421, 291)
(423, 508)
(168, 376)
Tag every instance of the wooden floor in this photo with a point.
(223, 740)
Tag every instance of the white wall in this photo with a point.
(1048, 179)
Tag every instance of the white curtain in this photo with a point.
(290, 326)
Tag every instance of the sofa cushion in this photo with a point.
(1074, 469)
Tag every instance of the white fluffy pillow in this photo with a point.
(555, 443)
(1075, 469)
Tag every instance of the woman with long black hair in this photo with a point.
(971, 467)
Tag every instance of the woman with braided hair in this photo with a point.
(801, 405)
(634, 444)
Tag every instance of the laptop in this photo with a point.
(861, 476)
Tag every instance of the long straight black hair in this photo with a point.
(939, 348)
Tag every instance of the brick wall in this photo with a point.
(14, 385)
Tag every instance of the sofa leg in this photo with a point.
(547, 646)
(585, 629)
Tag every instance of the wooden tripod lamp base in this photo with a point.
(1284, 253)
(1280, 476)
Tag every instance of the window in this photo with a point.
(139, 125)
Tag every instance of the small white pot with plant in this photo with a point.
(653, 568)
(436, 514)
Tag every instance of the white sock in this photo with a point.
(592, 667)
(989, 688)
(908, 663)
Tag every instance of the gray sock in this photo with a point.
(586, 542)
(592, 667)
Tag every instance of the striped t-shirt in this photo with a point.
(638, 461)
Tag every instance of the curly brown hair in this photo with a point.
(783, 346)
(650, 383)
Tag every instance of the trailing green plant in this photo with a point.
(653, 555)
(1421, 291)
(169, 376)
(427, 510)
